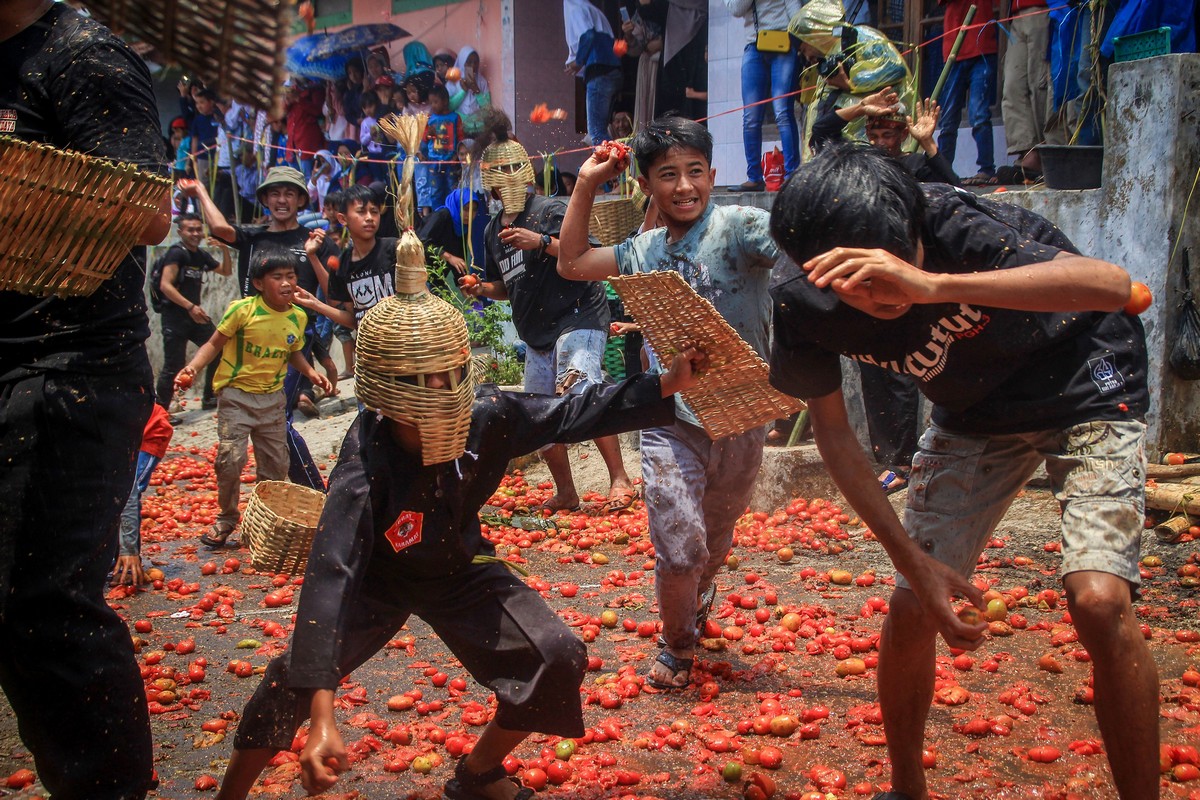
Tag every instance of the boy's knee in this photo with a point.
(906, 623)
(1100, 603)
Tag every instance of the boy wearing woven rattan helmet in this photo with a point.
(564, 324)
(696, 488)
(257, 339)
(399, 535)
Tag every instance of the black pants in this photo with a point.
(67, 443)
(176, 334)
(892, 402)
(223, 195)
(502, 631)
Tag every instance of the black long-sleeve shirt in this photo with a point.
(828, 127)
(388, 519)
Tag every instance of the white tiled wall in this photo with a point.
(726, 40)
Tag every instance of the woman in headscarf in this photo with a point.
(470, 95)
(327, 171)
(455, 227)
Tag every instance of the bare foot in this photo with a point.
(562, 502)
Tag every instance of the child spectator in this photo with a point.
(248, 179)
(385, 90)
(696, 488)
(416, 97)
(257, 339)
(469, 95)
(327, 172)
(155, 439)
(203, 128)
(181, 140)
(443, 132)
(443, 60)
(370, 137)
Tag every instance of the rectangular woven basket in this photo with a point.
(279, 524)
(236, 46)
(733, 395)
(68, 220)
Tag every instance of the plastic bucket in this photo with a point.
(1071, 166)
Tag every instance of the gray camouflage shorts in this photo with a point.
(961, 485)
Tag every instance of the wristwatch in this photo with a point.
(545, 241)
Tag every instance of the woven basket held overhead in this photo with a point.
(68, 220)
(278, 526)
(733, 395)
(613, 221)
(236, 46)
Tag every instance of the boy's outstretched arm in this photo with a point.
(204, 356)
(577, 259)
(217, 224)
(930, 580)
(342, 316)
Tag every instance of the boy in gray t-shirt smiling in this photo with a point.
(696, 488)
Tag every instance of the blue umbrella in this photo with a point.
(298, 61)
(357, 37)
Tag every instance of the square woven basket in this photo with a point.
(733, 395)
(68, 220)
(613, 221)
(279, 524)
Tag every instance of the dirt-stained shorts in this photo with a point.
(575, 362)
(961, 485)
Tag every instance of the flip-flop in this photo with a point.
(892, 482)
(980, 179)
(465, 785)
(676, 665)
(216, 536)
(555, 509)
(619, 500)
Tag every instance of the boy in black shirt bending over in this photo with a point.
(1022, 346)
(183, 318)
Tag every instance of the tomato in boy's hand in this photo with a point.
(614, 329)
(1139, 298)
(184, 380)
(468, 281)
(618, 149)
(333, 263)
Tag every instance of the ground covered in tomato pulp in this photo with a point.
(784, 685)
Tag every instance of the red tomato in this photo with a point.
(20, 779)
(620, 47)
(333, 263)
(1139, 298)
(468, 281)
(535, 779)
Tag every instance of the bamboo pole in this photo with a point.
(962, 32)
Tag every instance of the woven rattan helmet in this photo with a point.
(505, 166)
(401, 341)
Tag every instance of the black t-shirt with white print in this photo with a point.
(190, 280)
(67, 81)
(544, 304)
(248, 239)
(365, 282)
(987, 370)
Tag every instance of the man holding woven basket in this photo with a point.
(75, 393)
(400, 536)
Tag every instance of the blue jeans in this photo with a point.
(601, 92)
(302, 469)
(131, 515)
(972, 81)
(768, 75)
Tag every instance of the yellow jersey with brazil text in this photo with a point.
(261, 340)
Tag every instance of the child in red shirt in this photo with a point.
(155, 438)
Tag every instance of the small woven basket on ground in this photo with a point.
(68, 220)
(279, 524)
(613, 221)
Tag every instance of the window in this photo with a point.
(402, 6)
(329, 14)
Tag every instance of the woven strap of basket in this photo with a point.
(517, 568)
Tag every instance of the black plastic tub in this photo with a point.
(1071, 166)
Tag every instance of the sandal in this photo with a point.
(891, 796)
(980, 179)
(465, 785)
(619, 500)
(217, 535)
(676, 665)
(892, 482)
